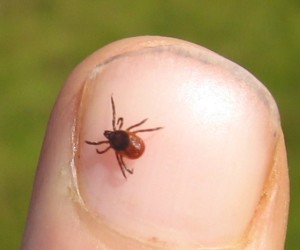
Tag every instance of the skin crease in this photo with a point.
(69, 212)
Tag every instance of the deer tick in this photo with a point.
(125, 143)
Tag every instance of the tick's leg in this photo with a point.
(120, 123)
(136, 125)
(113, 113)
(103, 151)
(96, 143)
(120, 165)
(146, 130)
(123, 164)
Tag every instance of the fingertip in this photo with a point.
(202, 176)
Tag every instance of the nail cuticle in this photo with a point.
(265, 207)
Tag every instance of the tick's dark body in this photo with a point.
(125, 142)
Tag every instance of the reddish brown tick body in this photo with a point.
(125, 142)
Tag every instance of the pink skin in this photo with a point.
(215, 177)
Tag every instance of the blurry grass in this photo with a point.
(41, 42)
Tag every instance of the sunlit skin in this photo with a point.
(125, 142)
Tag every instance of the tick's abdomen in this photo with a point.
(135, 148)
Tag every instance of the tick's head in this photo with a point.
(119, 140)
(108, 134)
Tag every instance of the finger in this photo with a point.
(209, 179)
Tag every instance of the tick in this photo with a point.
(125, 143)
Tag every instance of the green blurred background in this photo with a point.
(41, 41)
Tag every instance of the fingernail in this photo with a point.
(201, 177)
